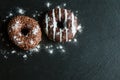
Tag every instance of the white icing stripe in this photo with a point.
(60, 20)
(54, 24)
(73, 26)
(66, 25)
(65, 15)
(46, 21)
(60, 35)
(59, 14)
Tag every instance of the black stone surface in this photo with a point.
(97, 57)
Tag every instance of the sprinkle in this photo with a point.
(64, 4)
(58, 6)
(5, 57)
(46, 47)
(70, 40)
(16, 25)
(10, 14)
(25, 56)
(63, 50)
(48, 4)
(35, 31)
(75, 40)
(60, 46)
(79, 28)
(21, 11)
(50, 51)
(13, 51)
(38, 46)
(31, 42)
(76, 11)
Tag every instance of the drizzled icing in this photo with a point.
(65, 23)
(54, 24)
(73, 27)
(60, 20)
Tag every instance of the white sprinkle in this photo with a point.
(13, 51)
(34, 15)
(75, 40)
(31, 42)
(51, 51)
(5, 57)
(14, 37)
(50, 46)
(34, 50)
(76, 11)
(64, 4)
(20, 42)
(63, 50)
(16, 25)
(38, 46)
(79, 28)
(70, 40)
(58, 6)
(25, 56)
(10, 14)
(48, 4)
(35, 31)
(21, 11)
(46, 47)
(60, 46)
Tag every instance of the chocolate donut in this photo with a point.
(60, 25)
(24, 32)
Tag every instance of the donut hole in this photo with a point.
(25, 31)
(60, 24)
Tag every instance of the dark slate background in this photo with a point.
(97, 57)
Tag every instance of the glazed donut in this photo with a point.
(60, 25)
(24, 32)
